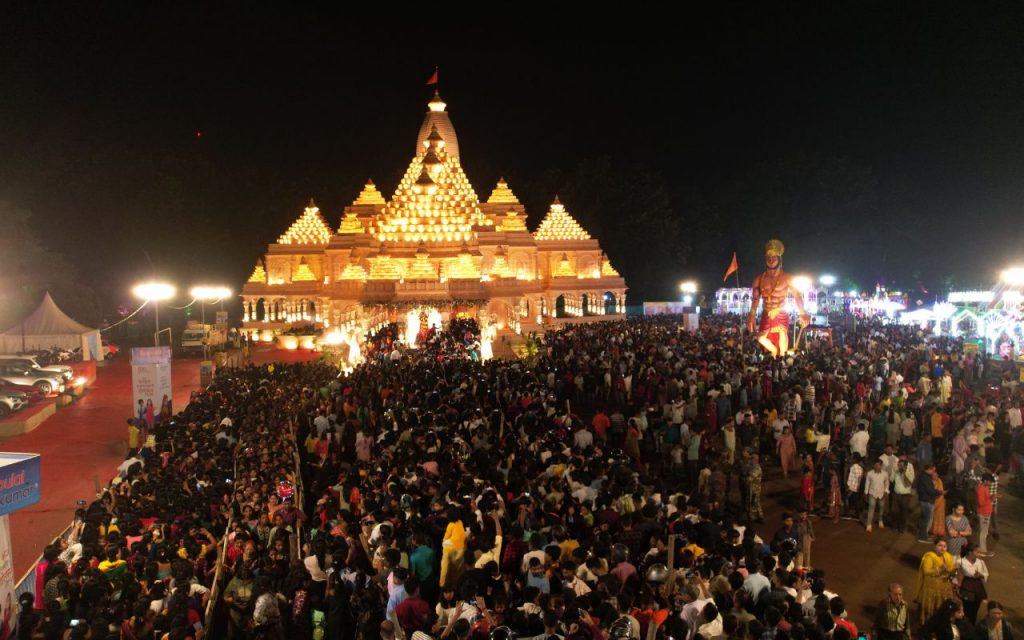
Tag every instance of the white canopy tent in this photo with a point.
(49, 327)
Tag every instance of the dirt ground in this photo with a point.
(859, 565)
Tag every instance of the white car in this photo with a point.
(11, 402)
(17, 373)
(62, 370)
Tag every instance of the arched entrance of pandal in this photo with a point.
(610, 304)
(560, 307)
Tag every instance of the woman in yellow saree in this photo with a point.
(934, 583)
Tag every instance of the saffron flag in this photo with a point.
(433, 78)
(733, 268)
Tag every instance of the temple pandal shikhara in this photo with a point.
(430, 253)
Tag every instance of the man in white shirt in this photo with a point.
(853, 482)
(583, 438)
(694, 605)
(876, 488)
(859, 441)
(908, 429)
(755, 583)
(321, 423)
(889, 463)
(1014, 417)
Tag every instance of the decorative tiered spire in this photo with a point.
(565, 269)
(350, 224)
(259, 274)
(463, 268)
(422, 268)
(606, 267)
(500, 268)
(559, 225)
(433, 203)
(353, 271)
(437, 118)
(382, 267)
(303, 273)
(310, 228)
(502, 194)
(512, 222)
(369, 195)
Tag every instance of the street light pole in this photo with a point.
(154, 292)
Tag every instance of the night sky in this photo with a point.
(923, 103)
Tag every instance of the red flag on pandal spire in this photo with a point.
(733, 267)
(433, 78)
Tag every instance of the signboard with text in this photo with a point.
(7, 599)
(151, 378)
(19, 481)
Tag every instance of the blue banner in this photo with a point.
(19, 481)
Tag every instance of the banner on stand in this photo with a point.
(151, 378)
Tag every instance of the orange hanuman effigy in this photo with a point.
(773, 287)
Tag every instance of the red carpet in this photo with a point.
(80, 448)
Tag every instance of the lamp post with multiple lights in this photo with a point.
(154, 292)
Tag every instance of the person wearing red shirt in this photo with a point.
(600, 423)
(984, 514)
(412, 612)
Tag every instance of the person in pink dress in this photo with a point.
(786, 446)
(835, 497)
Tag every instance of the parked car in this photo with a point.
(62, 370)
(11, 402)
(32, 394)
(46, 382)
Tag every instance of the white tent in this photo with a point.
(49, 327)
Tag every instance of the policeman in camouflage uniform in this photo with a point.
(742, 466)
(753, 482)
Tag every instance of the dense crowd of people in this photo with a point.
(608, 487)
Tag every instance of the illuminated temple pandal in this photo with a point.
(433, 248)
